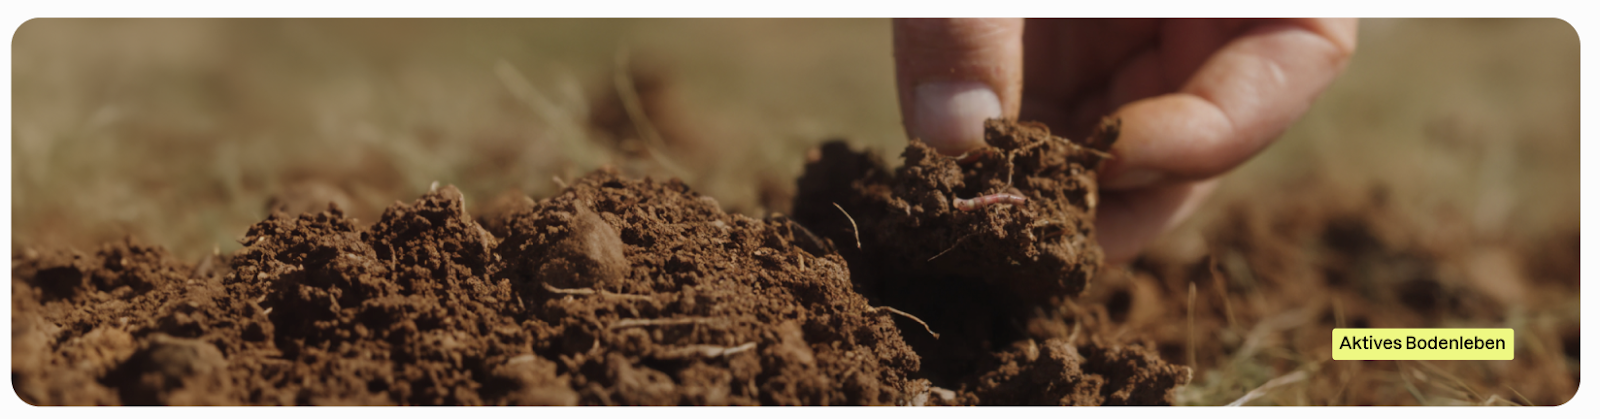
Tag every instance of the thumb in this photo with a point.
(953, 74)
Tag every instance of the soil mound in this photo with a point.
(613, 292)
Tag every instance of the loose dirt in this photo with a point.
(995, 281)
(614, 292)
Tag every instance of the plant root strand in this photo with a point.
(853, 228)
(952, 247)
(662, 322)
(708, 351)
(907, 315)
(587, 291)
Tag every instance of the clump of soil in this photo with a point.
(907, 221)
(690, 305)
(614, 292)
(990, 280)
(1062, 372)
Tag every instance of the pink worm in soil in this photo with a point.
(987, 200)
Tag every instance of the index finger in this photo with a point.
(1238, 101)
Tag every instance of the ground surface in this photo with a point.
(613, 292)
(1434, 185)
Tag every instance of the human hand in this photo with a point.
(1196, 97)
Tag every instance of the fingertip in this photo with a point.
(1242, 99)
(953, 74)
(950, 115)
(1339, 31)
(1169, 138)
(1127, 221)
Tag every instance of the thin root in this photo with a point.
(708, 351)
(807, 234)
(853, 227)
(952, 247)
(587, 291)
(1061, 227)
(662, 322)
(571, 291)
(907, 315)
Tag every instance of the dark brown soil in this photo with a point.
(993, 281)
(909, 230)
(1061, 372)
(614, 292)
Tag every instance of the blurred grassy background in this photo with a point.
(1479, 113)
(179, 132)
(1476, 118)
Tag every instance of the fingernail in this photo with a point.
(1133, 179)
(950, 115)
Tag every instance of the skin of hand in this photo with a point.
(1197, 97)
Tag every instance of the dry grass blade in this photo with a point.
(569, 291)
(629, 94)
(1338, 312)
(907, 315)
(1494, 400)
(569, 131)
(586, 291)
(1291, 378)
(1525, 401)
(1410, 387)
(1457, 382)
(737, 349)
(1218, 281)
(1344, 384)
(662, 322)
(1192, 357)
(853, 227)
(708, 351)
(1263, 330)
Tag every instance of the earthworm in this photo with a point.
(987, 200)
